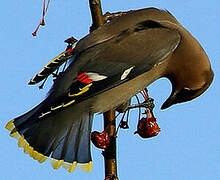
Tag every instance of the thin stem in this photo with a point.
(42, 21)
(116, 132)
(43, 8)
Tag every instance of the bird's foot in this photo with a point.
(148, 104)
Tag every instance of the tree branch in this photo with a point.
(109, 117)
(110, 152)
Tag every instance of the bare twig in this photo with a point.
(96, 12)
(109, 117)
(110, 152)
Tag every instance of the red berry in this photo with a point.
(148, 127)
(100, 140)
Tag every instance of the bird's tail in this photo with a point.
(64, 136)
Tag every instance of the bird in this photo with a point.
(109, 66)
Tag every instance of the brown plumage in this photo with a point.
(111, 65)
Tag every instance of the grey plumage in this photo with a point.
(111, 65)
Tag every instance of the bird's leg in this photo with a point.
(148, 102)
(125, 108)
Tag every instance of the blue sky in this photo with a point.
(187, 147)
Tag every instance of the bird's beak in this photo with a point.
(170, 101)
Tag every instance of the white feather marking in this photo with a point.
(43, 114)
(74, 45)
(126, 72)
(95, 76)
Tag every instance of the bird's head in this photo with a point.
(189, 88)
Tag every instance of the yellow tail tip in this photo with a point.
(87, 167)
(21, 141)
(33, 153)
(56, 163)
(27, 148)
(15, 135)
(30, 151)
(42, 158)
(70, 167)
(10, 125)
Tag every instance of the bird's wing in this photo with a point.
(52, 66)
(105, 65)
